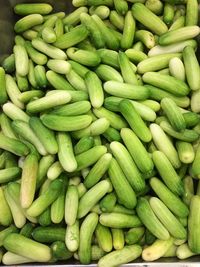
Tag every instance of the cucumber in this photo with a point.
(28, 22)
(182, 34)
(14, 113)
(90, 156)
(191, 67)
(26, 247)
(71, 205)
(84, 144)
(167, 83)
(97, 253)
(45, 135)
(167, 172)
(13, 91)
(104, 237)
(21, 60)
(186, 135)
(185, 151)
(148, 19)
(74, 17)
(183, 252)
(39, 8)
(118, 238)
(84, 57)
(128, 166)
(118, 257)
(173, 113)
(49, 101)
(91, 197)
(95, 89)
(135, 121)
(172, 201)
(10, 258)
(72, 237)
(58, 81)
(48, 234)
(27, 230)
(193, 225)
(110, 39)
(58, 206)
(149, 219)
(77, 108)
(65, 152)
(59, 251)
(159, 94)
(5, 213)
(121, 185)
(107, 73)
(5, 232)
(134, 235)
(44, 164)
(108, 202)
(126, 90)
(46, 199)
(119, 220)
(157, 249)
(24, 130)
(127, 71)
(156, 63)
(128, 29)
(86, 232)
(171, 223)
(35, 55)
(163, 143)
(3, 93)
(93, 29)
(98, 170)
(66, 123)
(48, 49)
(137, 150)
(72, 38)
(28, 180)
(14, 146)
(9, 174)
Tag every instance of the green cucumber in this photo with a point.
(121, 185)
(149, 219)
(26, 247)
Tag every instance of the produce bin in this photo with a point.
(7, 20)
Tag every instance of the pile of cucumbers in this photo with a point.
(100, 133)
